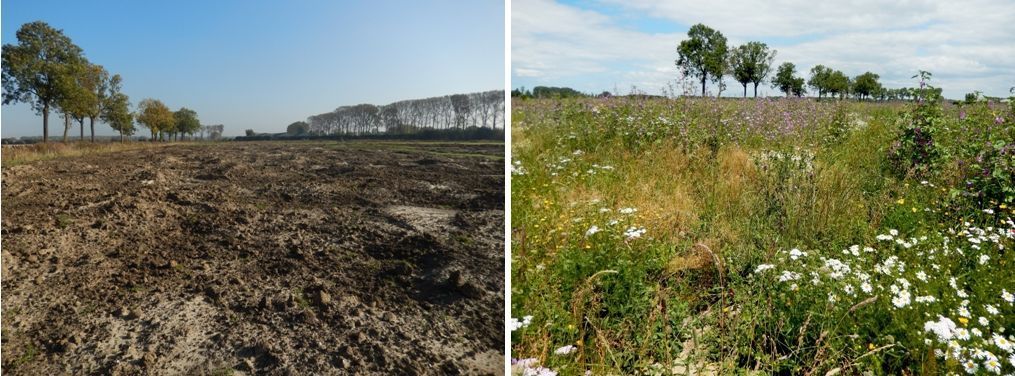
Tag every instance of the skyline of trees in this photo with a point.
(46, 70)
(457, 111)
(705, 57)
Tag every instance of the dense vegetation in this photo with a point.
(47, 70)
(776, 236)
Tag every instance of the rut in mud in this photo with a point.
(256, 258)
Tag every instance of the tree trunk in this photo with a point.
(703, 85)
(81, 123)
(45, 123)
(91, 124)
(755, 89)
(745, 90)
(121, 136)
(66, 127)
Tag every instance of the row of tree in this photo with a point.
(48, 71)
(547, 92)
(705, 56)
(449, 112)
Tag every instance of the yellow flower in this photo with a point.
(914, 209)
(901, 201)
(870, 346)
(963, 320)
(1003, 206)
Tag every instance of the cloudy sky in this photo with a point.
(606, 44)
(263, 64)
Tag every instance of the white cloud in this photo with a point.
(552, 41)
(967, 45)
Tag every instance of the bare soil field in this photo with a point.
(266, 258)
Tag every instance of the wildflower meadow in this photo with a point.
(665, 236)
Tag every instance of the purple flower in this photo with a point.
(962, 115)
(998, 120)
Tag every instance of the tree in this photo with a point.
(703, 54)
(116, 109)
(866, 85)
(973, 97)
(250, 133)
(762, 58)
(77, 100)
(460, 103)
(298, 128)
(722, 67)
(820, 79)
(784, 78)
(740, 68)
(36, 69)
(838, 84)
(96, 80)
(186, 121)
(155, 116)
(553, 92)
(751, 63)
(798, 86)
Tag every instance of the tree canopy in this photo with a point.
(820, 79)
(298, 128)
(116, 109)
(40, 70)
(154, 115)
(751, 63)
(702, 54)
(866, 85)
(186, 121)
(784, 78)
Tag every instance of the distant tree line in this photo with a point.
(48, 71)
(705, 56)
(471, 133)
(547, 92)
(456, 112)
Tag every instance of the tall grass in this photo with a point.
(20, 154)
(719, 187)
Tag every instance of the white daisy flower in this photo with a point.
(565, 350)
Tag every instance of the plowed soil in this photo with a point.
(256, 258)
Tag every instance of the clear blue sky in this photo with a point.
(264, 64)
